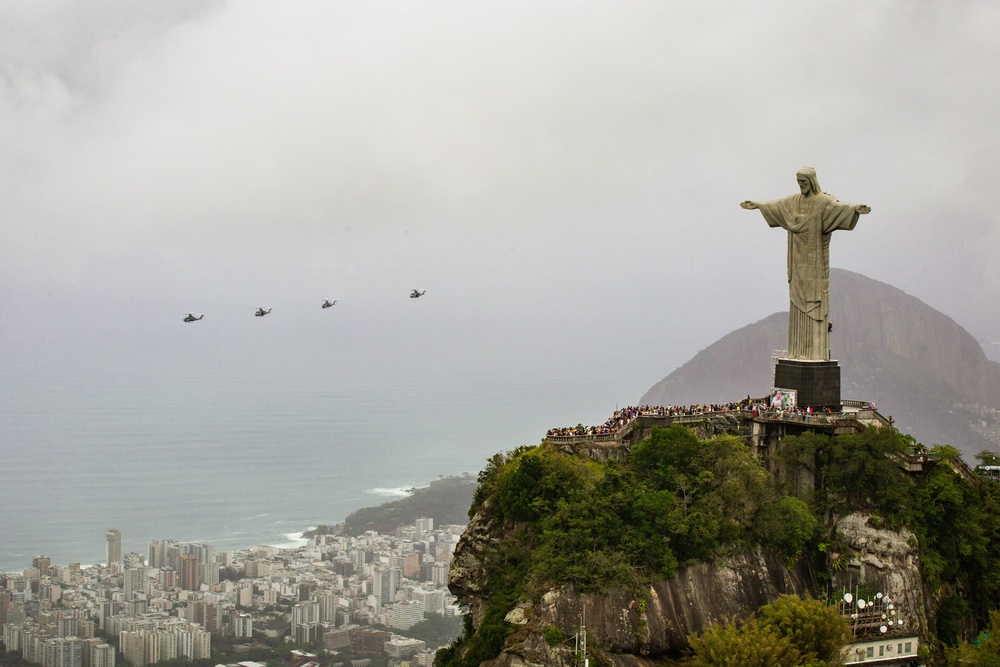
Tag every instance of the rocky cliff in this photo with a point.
(652, 618)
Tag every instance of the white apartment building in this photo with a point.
(406, 614)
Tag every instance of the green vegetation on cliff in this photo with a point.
(957, 523)
(676, 500)
(568, 520)
(574, 521)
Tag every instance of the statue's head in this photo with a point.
(808, 184)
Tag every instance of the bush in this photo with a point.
(553, 635)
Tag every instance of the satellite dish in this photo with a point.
(861, 604)
(883, 629)
(848, 598)
(890, 606)
(878, 595)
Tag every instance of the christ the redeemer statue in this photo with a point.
(810, 218)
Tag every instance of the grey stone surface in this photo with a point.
(810, 218)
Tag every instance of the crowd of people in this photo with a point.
(623, 417)
(765, 408)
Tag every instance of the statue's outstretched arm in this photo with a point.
(863, 209)
(749, 205)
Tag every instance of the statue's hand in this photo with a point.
(749, 205)
(863, 209)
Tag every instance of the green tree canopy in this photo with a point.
(747, 644)
(790, 631)
(988, 458)
(816, 629)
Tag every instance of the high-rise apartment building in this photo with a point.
(305, 622)
(411, 565)
(88, 650)
(61, 652)
(206, 614)
(242, 625)
(440, 574)
(172, 554)
(407, 614)
(432, 600)
(209, 573)
(156, 553)
(385, 581)
(305, 613)
(85, 628)
(102, 655)
(140, 647)
(168, 645)
(244, 596)
(113, 545)
(42, 564)
(257, 568)
(328, 603)
(5, 598)
(135, 581)
(424, 525)
(201, 643)
(167, 579)
(189, 572)
(67, 626)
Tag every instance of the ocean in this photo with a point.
(252, 442)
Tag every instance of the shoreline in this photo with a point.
(292, 540)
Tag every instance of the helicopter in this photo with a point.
(416, 294)
(191, 317)
(329, 303)
(261, 312)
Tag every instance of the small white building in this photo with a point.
(400, 648)
(882, 651)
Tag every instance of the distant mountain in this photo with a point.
(914, 362)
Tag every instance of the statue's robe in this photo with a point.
(809, 220)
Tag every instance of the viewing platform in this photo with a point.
(761, 427)
(854, 417)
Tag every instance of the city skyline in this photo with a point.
(336, 585)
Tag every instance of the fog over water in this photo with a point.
(562, 178)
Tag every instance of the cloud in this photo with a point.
(590, 149)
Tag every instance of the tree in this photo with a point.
(985, 652)
(747, 644)
(988, 458)
(790, 631)
(786, 525)
(436, 629)
(815, 628)
(667, 453)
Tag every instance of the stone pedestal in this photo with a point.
(817, 383)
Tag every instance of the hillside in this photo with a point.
(446, 500)
(676, 534)
(914, 362)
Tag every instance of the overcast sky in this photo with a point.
(548, 169)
